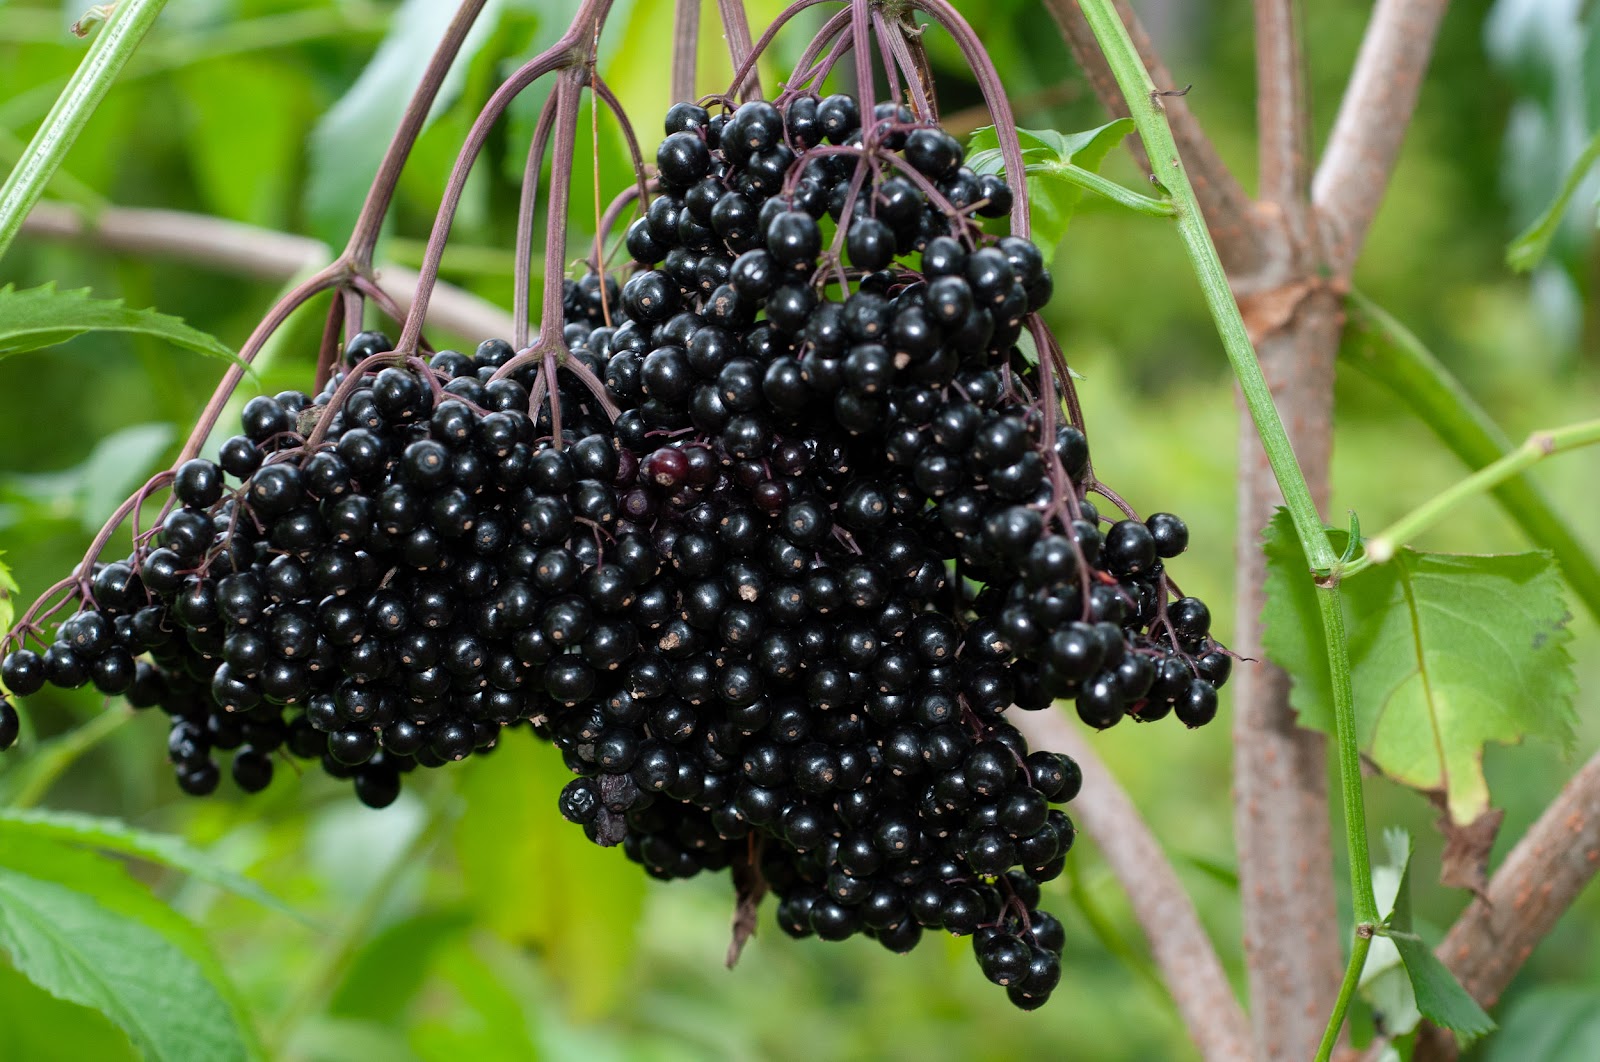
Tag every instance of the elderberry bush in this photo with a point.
(788, 528)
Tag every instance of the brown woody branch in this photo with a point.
(1540, 878)
(1227, 208)
(1373, 117)
(1283, 114)
(253, 252)
(1178, 942)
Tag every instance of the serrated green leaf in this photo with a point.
(1052, 201)
(1447, 654)
(113, 835)
(39, 1026)
(106, 882)
(1440, 997)
(348, 142)
(511, 843)
(34, 318)
(81, 948)
(1551, 1023)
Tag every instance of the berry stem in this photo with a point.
(330, 277)
(744, 69)
(866, 86)
(1538, 446)
(523, 269)
(685, 48)
(568, 97)
(894, 38)
(572, 50)
(736, 28)
(994, 94)
(364, 236)
(806, 70)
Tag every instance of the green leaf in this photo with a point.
(276, 97)
(113, 835)
(79, 927)
(43, 317)
(1053, 200)
(1440, 997)
(392, 967)
(1529, 248)
(1447, 652)
(511, 843)
(39, 1026)
(348, 142)
(1384, 982)
(1426, 987)
(1551, 1023)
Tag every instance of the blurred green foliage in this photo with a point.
(468, 920)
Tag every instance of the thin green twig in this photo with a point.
(1384, 349)
(1540, 445)
(1090, 181)
(106, 57)
(318, 985)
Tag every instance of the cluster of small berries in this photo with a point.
(767, 551)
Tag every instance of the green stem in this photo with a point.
(1385, 350)
(52, 760)
(1144, 105)
(1540, 445)
(55, 137)
(1363, 899)
(1090, 181)
(1347, 991)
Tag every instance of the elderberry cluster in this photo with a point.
(767, 552)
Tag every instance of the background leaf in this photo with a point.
(348, 142)
(1448, 652)
(89, 491)
(37, 1025)
(43, 317)
(116, 836)
(1551, 1023)
(541, 882)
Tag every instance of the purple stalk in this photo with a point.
(736, 27)
(571, 50)
(523, 269)
(994, 94)
(685, 48)
(866, 88)
(364, 237)
(745, 67)
(893, 37)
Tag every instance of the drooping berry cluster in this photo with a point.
(772, 613)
